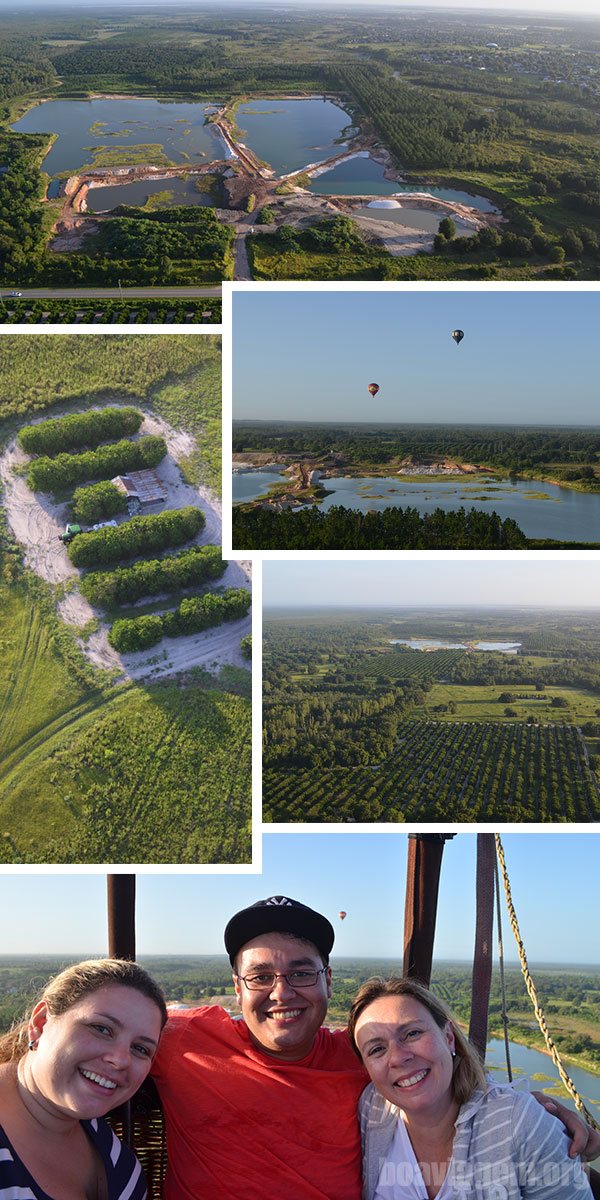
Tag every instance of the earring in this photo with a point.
(32, 1043)
(454, 1053)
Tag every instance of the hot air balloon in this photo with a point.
(458, 336)
(342, 915)
(373, 388)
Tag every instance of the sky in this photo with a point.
(526, 358)
(552, 877)
(314, 583)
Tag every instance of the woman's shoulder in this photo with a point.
(124, 1173)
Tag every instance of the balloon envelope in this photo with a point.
(373, 388)
(342, 915)
(458, 336)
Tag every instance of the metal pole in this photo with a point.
(425, 852)
(482, 957)
(121, 916)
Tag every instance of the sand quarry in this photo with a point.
(36, 523)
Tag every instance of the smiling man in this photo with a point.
(265, 1106)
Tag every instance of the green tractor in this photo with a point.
(70, 532)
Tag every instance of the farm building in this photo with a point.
(143, 486)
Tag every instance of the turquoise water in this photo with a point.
(101, 199)
(291, 134)
(249, 485)
(178, 128)
(356, 177)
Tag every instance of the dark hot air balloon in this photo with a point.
(373, 388)
(458, 336)
(342, 915)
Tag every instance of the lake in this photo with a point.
(177, 190)
(530, 1063)
(442, 644)
(249, 485)
(84, 126)
(292, 134)
(541, 510)
(356, 176)
(426, 220)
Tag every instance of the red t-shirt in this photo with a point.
(241, 1124)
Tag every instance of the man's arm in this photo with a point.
(585, 1141)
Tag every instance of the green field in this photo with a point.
(92, 769)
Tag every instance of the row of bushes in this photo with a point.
(196, 564)
(98, 501)
(191, 616)
(57, 474)
(79, 429)
(137, 536)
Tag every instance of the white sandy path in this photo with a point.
(36, 523)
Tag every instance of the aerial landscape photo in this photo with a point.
(451, 690)
(360, 884)
(150, 151)
(389, 419)
(125, 673)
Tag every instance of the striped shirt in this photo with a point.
(506, 1146)
(124, 1175)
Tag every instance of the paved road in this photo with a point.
(131, 293)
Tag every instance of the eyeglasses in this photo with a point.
(263, 981)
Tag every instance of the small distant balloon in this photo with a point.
(458, 336)
(342, 915)
(373, 388)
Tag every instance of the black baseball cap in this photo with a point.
(278, 914)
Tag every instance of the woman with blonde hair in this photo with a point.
(433, 1124)
(85, 1048)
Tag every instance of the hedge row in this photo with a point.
(136, 537)
(80, 429)
(148, 578)
(98, 501)
(193, 615)
(56, 474)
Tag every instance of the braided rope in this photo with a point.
(541, 1020)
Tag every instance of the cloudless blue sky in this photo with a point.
(553, 881)
(527, 357)
(311, 583)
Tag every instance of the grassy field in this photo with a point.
(481, 703)
(92, 771)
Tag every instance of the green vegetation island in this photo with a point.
(569, 996)
(431, 714)
(125, 682)
(406, 468)
(466, 147)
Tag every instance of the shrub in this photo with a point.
(148, 578)
(135, 634)
(98, 501)
(193, 615)
(80, 429)
(136, 537)
(57, 474)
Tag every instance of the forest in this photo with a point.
(357, 727)
(572, 455)
(570, 996)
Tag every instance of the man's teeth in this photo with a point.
(285, 1016)
(413, 1079)
(105, 1083)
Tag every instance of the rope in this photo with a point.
(541, 1020)
(504, 1013)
